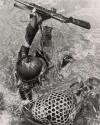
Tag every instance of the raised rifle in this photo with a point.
(52, 14)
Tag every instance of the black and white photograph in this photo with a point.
(49, 62)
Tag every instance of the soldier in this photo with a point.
(29, 67)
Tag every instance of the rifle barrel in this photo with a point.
(40, 9)
(55, 15)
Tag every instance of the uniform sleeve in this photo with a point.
(30, 33)
(23, 52)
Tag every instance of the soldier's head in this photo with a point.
(29, 68)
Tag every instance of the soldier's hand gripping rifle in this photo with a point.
(52, 14)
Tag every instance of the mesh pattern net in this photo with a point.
(55, 107)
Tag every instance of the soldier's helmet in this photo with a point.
(28, 68)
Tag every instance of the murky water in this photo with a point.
(83, 44)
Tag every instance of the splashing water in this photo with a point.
(83, 44)
(5, 118)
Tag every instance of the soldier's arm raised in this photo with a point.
(33, 26)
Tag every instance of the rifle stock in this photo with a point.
(53, 14)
